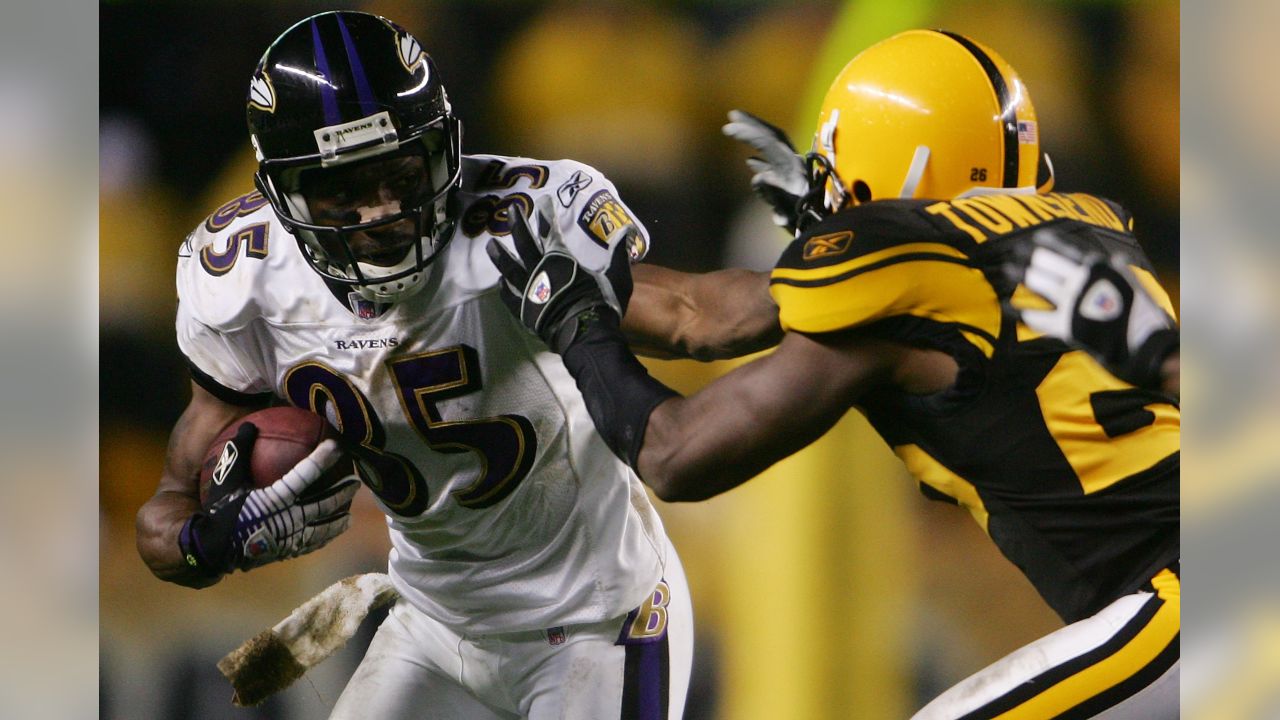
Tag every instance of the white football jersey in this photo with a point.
(506, 509)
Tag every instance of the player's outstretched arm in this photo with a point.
(177, 497)
(685, 448)
(699, 446)
(703, 316)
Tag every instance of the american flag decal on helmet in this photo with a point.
(1027, 134)
(262, 94)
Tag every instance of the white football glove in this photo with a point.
(275, 524)
(1100, 306)
(242, 528)
(781, 178)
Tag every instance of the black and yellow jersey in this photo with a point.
(1072, 472)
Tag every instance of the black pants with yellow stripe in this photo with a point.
(1120, 664)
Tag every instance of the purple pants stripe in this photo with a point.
(645, 689)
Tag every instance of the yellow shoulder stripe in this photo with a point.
(944, 291)
(936, 475)
(1153, 287)
(831, 271)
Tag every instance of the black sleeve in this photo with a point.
(619, 392)
(224, 393)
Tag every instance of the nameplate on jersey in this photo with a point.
(603, 215)
(993, 215)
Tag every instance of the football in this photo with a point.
(285, 436)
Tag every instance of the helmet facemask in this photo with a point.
(336, 244)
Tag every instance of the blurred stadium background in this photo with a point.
(828, 588)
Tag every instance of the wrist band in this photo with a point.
(192, 555)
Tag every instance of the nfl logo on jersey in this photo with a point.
(555, 635)
(364, 309)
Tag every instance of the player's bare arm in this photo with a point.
(177, 496)
(706, 316)
(697, 447)
(714, 440)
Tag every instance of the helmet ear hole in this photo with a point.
(861, 191)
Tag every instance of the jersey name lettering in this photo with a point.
(369, 344)
(986, 216)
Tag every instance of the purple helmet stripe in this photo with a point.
(363, 91)
(328, 97)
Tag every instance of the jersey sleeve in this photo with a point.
(852, 270)
(590, 210)
(220, 354)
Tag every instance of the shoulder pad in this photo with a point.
(588, 208)
(871, 229)
(876, 261)
(221, 262)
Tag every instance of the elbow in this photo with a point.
(657, 469)
(674, 485)
(670, 489)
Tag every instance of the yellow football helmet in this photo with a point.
(926, 114)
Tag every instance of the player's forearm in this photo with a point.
(736, 315)
(763, 411)
(158, 523)
(708, 316)
(682, 464)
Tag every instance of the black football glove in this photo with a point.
(1100, 306)
(240, 527)
(549, 290)
(781, 174)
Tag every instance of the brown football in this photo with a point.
(285, 436)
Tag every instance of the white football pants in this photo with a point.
(631, 667)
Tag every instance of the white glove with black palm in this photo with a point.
(241, 527)
(1100, 306)
(781, 176)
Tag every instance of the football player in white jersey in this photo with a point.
(535, 577)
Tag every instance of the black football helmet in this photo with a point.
(343, 89)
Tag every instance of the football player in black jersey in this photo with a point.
(926, 176)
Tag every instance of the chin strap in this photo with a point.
(1047, 185)
(815, 205)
